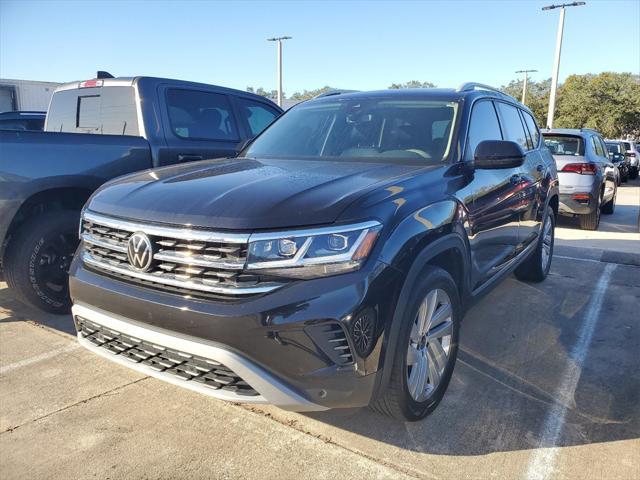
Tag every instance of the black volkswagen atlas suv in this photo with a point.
(328, 266)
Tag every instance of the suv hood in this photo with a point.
(244, 194)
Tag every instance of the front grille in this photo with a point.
(184, 260)
(189, 368)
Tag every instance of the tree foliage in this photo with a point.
(411, 84)
(608, 102)
(264, 93)
(307, 94)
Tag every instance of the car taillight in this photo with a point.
(581, 168)
(632, 154)
(91, 83)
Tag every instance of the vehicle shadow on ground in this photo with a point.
(608, 223)
(515, 348)
(15, 311)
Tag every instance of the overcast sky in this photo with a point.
(345, 44)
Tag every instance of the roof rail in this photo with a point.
(331, 93)
(470, 86)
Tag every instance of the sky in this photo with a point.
(363, 45)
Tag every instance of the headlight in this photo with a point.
(312, 253)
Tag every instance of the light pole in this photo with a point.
(524, 85)
(279, 40)
(556, 65)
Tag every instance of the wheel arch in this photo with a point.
(52, 199)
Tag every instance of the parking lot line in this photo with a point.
(38, 358)
(542, 462)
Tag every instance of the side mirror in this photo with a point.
(492, 154)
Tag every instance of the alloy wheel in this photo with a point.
(429, 344)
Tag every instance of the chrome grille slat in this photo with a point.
(205, 261)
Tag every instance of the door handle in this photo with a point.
(182, 157)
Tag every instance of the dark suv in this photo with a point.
(330, 264)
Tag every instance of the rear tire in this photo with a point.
(38, 257)
(434, 287)
(537, 266)
(591, 220)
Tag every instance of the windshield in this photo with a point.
(614, 148)
(374, 129)
(564, 144)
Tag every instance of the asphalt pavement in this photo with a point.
(547, 386)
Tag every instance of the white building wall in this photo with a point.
(31, 94)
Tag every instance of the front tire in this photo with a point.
(537, 266)
(427, 348)
(38, 257)
(633, 173)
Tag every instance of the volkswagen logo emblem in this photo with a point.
(140, 251)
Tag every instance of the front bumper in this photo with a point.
(265, 340)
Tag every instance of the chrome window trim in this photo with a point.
(182, 233)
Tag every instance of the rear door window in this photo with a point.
(200, 115)
(597, 146)
(532, 126)
(512, 124)
(483, 126)
(257, 115)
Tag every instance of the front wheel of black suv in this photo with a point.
(427, 348)
(537, 266)
(38, 257)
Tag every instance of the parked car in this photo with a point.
(331, 264)
(97, 130)
(587, 180)
(22, 120)
(633, 153)
(618, 156)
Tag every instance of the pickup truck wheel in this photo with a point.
(427, 349)
(38, 257)
(537, 266)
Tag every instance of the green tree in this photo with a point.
(307, 94)
(608, 102)
(263, 93)
(411, 84)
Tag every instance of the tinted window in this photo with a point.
(88, 111)
(32, 124)
(627, 145)
(257, 115)
(201, 115)
(102, 110)
(597, 146)
(512, 125)
(614, 148)
(564, 144)
(375, 129)
(532, 126)
(483, 126)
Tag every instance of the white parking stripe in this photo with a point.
(542, 461)
(38, 358)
